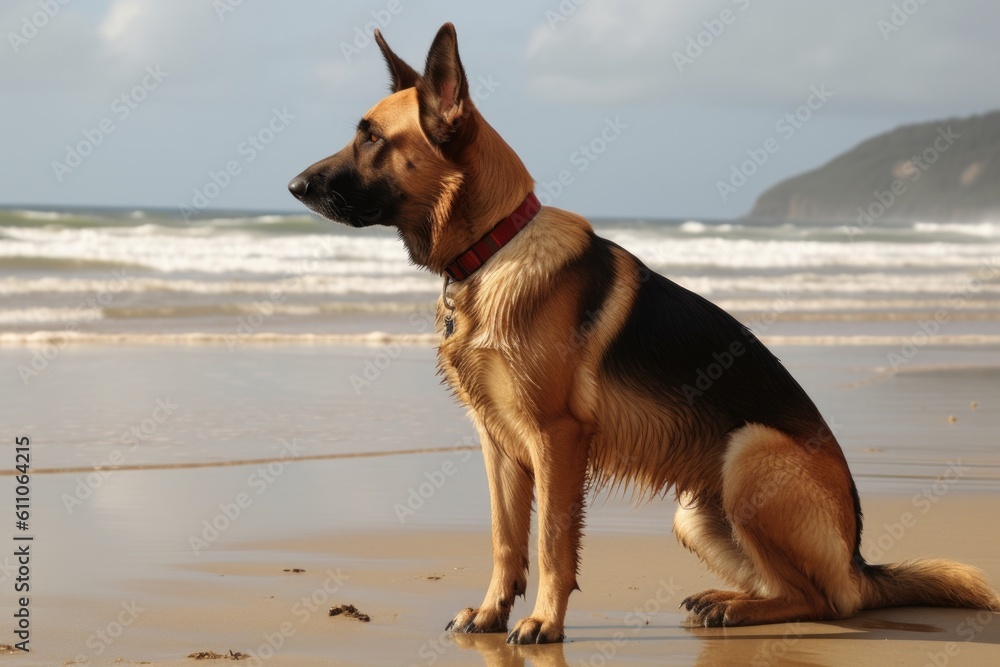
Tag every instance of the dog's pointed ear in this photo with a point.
(443, 91)
(403, 76)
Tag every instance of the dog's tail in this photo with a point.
(930, 582)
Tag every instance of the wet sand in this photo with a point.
(273, 462)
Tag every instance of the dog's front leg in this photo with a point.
(510, 506)
(560, 466)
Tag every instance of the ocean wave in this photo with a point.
(49, 315)
(989, 230)
(36, 316)
(42, 215)
(697, 227)
(216, 254)
(693, 227)
(715, 252)
(181, 250)
(854, 283)
(787, 307)
(811, 285)
(59, 338)
(419, 284)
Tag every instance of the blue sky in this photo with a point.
(641, 106)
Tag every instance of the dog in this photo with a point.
(580, 368)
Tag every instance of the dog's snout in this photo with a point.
(299, 186)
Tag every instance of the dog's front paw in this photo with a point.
(533, 630)
(478, 620)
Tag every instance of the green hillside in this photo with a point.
(943, 171)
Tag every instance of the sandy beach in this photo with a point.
(237, 469)
(225, 231)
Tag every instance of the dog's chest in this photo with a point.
(479, 370)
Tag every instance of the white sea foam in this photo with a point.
(48, 315)
(304, 284)
(989, 230)
(813, 285)
(218, 253)
(855, 283)
(38, 338)
(718, 252)
(693, 227)
(200, 338)
(42, 215)
(201, 250)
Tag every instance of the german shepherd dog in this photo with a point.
(580, 369)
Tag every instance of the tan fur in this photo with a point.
(771, 513)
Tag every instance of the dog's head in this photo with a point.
(417, 162)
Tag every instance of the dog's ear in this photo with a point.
(403, 76)
(443, 92)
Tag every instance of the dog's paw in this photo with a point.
(476, 620)
(711, 608)
(532, 630)
(699, 601)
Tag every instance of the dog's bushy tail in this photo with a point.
(930, 582)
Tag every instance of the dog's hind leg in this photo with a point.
(792, 514)
(510, 505)
(704, 528)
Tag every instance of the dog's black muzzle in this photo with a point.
(335, 189)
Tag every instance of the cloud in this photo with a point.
(647, 50)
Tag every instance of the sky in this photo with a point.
(619, 108)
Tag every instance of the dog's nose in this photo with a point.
(299, 186)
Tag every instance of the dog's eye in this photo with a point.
(373, 138)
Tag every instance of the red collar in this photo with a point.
(469, 261)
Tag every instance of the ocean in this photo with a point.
(131, 338)
(130, 275)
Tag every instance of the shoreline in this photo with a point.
(375, 338)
